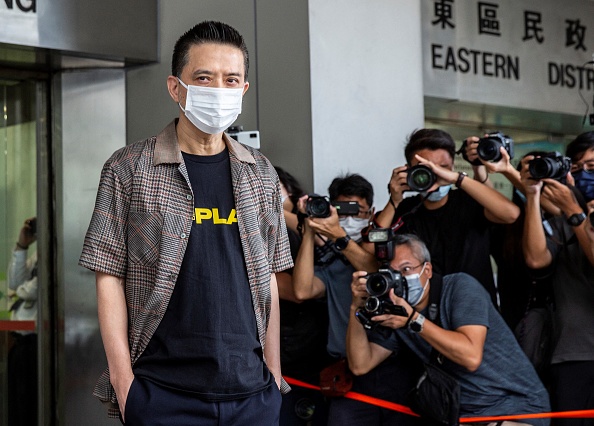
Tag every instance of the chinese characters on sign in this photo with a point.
(464, 59)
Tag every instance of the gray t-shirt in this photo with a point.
(337, 276)
(505, 383)
(573, 287)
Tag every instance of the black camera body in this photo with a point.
(385, 279)
(381, 282)
(591, 216)
(319, 206)
(420, 178)
(489, 147)
(375, 306)
(551, 165)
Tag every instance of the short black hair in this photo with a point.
(207, 32)
(577, 147)
(432, 139)
(290, 183)
(351, 185)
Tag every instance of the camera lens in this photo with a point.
(488, 149)
(420, 178)
(372, 304)
(592, 218)
(541, 168)
(377, 284)
(317, 206)
(305, 408)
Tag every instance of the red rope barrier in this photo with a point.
(403, 409)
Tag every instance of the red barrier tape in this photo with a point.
(403, 409)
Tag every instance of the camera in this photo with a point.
(420, 178)
(381, 282)
(489, 147)
(319, 206)
(551, 165)
(591, 216)
(386, 278)
(375, 306)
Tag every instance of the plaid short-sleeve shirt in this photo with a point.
(142, 220)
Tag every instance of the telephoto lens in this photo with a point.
(420, 178)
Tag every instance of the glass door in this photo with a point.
(20, 295)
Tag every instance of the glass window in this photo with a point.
(18, 252)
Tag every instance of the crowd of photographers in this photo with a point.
(374, 297)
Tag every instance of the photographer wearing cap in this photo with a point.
(475, 345)
(453, 223)
(564, 249)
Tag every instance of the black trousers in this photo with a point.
(572, 388)
(149, 404)
(22, 381)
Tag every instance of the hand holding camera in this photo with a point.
(487, 149)
(398, 184)
(443, 176)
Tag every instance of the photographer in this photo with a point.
(22, 357)
(476, 346)
(454, 224)
(328, 273)
(565, 251)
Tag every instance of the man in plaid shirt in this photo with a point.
(185, 240)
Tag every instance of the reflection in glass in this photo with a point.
(18, 254)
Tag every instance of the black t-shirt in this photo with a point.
(456, 234)
(207, 342)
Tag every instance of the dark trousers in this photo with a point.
(149, 404)
(572, 388)
(22, 381)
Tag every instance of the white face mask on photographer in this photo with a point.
(353, 226)
(212, 109)
(416, 290)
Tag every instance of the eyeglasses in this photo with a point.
(406, 270)
(586, 165)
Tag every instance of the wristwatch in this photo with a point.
(416, 325)
(576, 219)
(342, 242)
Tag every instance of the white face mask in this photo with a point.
(416, 290)
(353, 226)
(212, 109)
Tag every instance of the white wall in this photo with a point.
(366, 87)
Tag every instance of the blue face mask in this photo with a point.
(439, 193)
(584, 181)
(416, 290)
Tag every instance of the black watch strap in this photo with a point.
(342, 242)
(576, 219)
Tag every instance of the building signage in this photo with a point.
(115, 30)
(18, 22)
(527, 54)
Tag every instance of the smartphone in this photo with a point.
(344, 208)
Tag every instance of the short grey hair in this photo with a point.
(416, 245)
